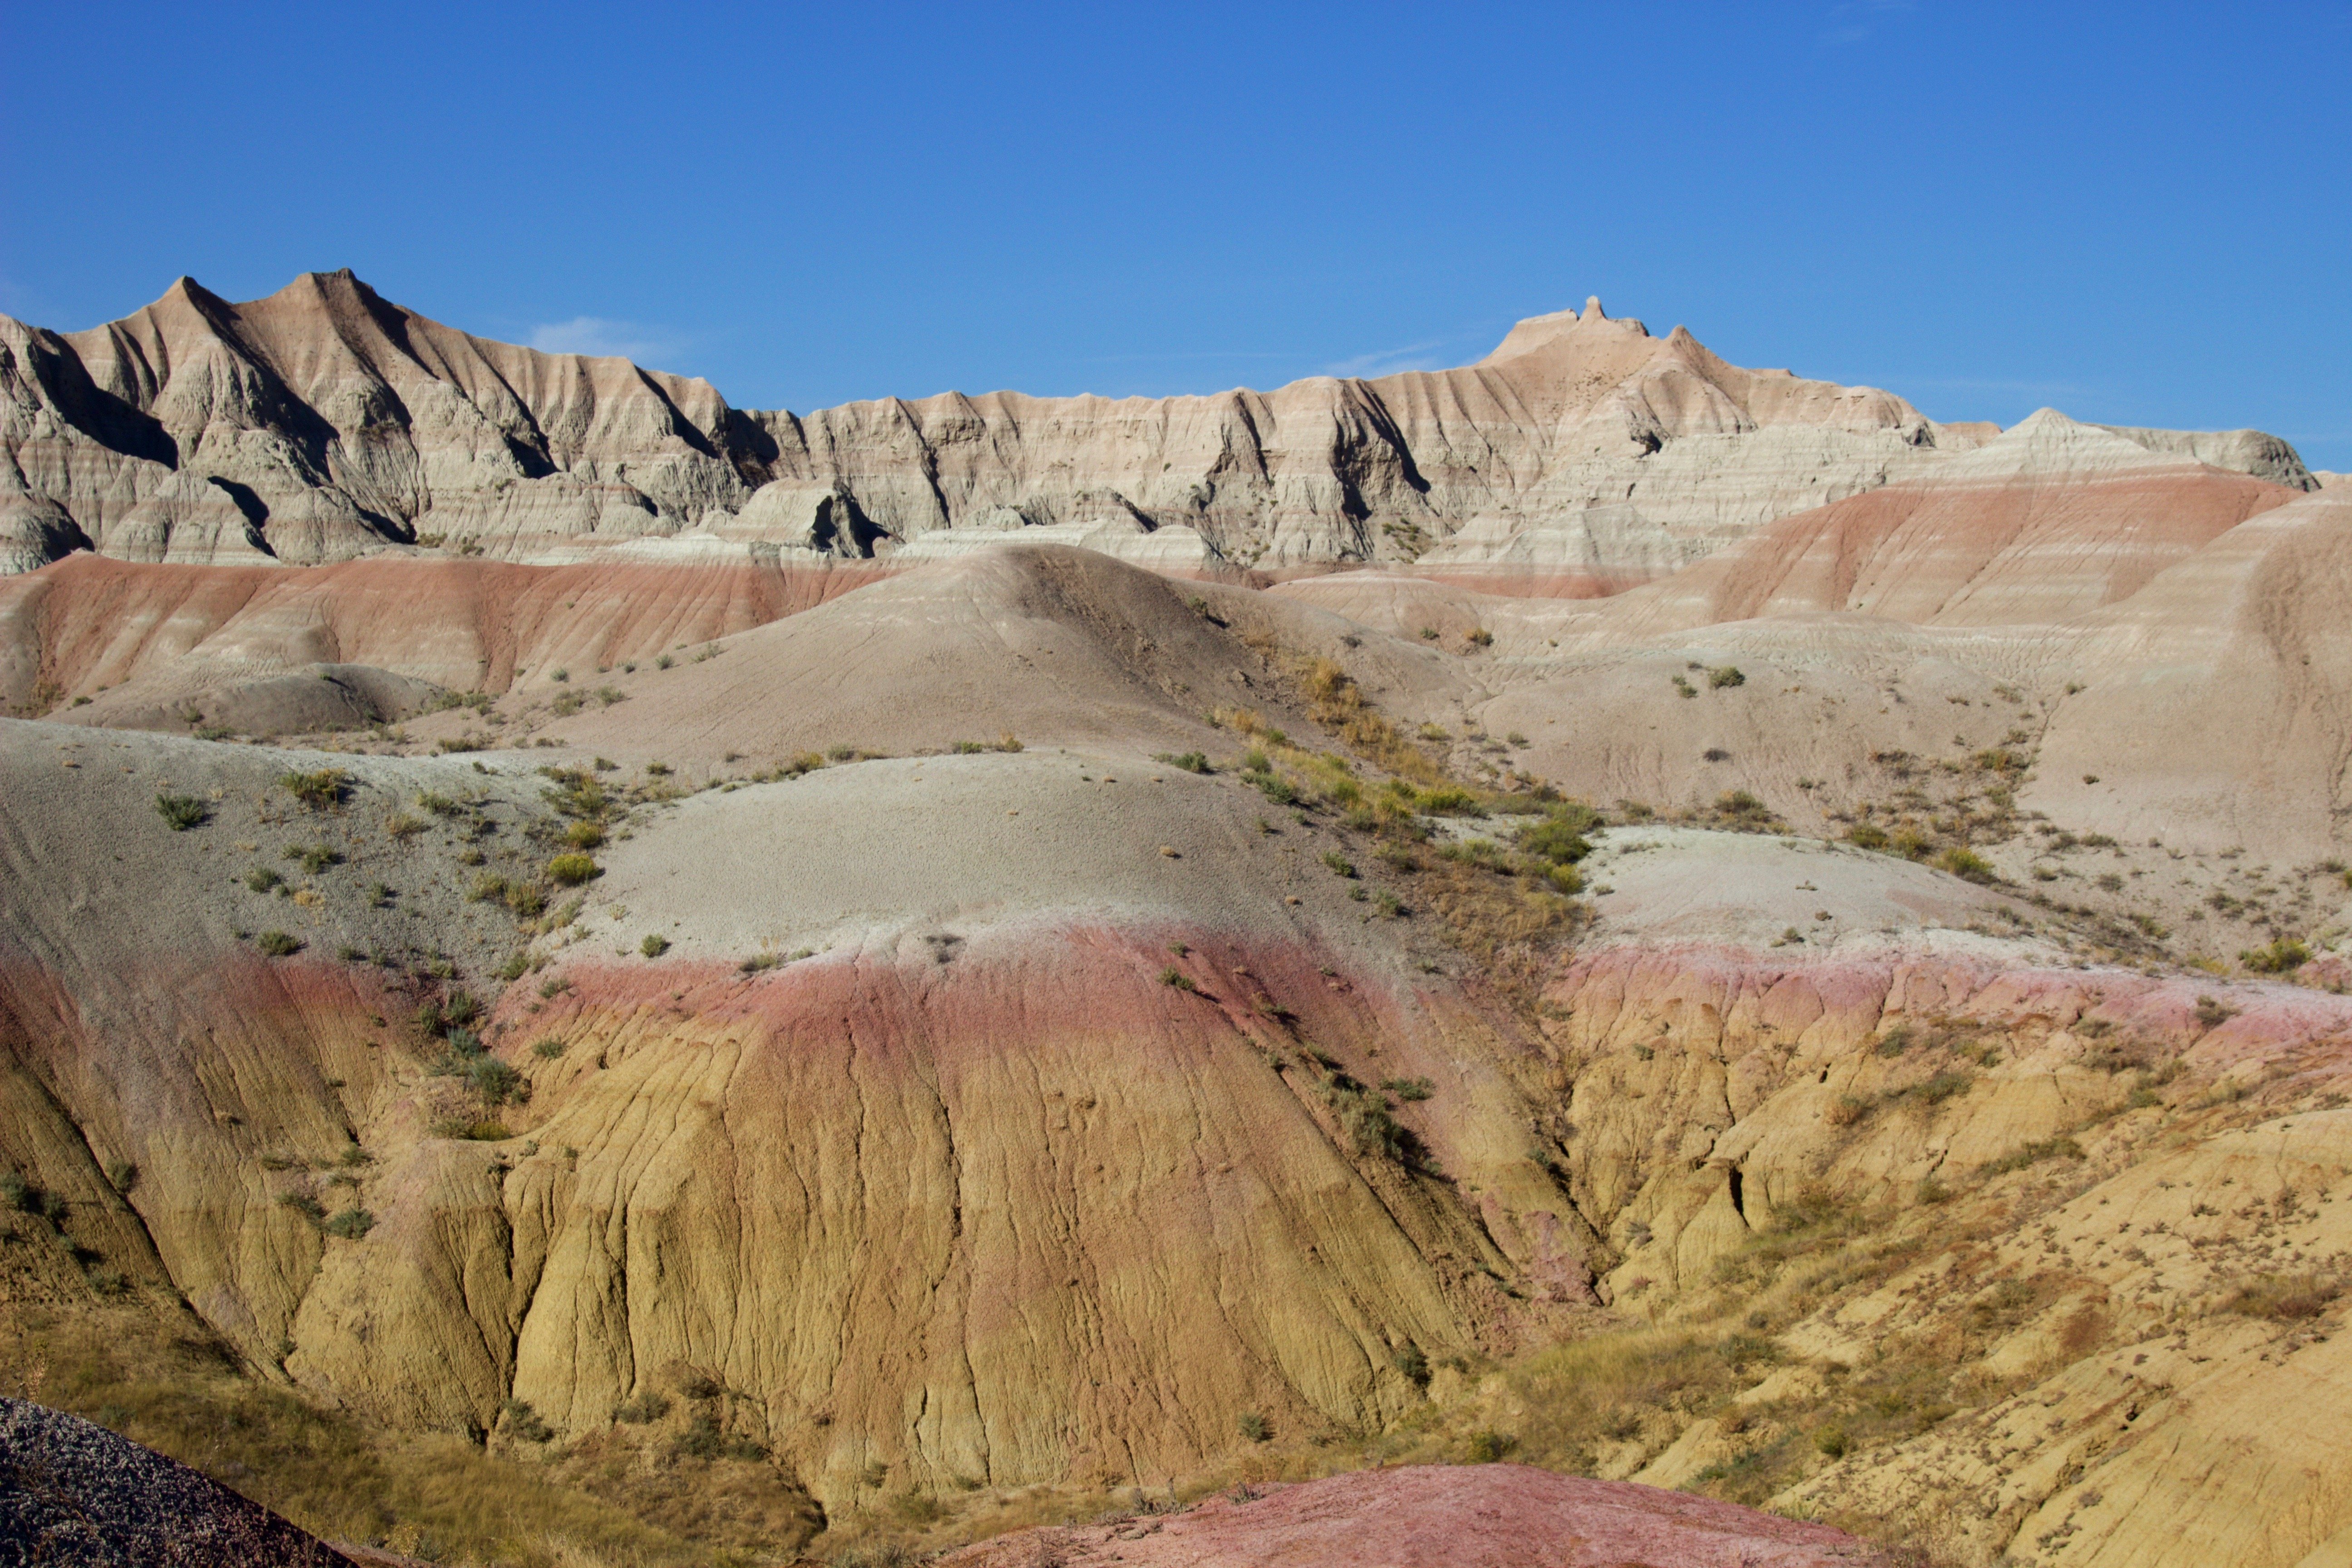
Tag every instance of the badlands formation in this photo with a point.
(1594, 958)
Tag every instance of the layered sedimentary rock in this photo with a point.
(324, 422)
(2051, 520)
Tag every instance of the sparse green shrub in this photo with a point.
(1274, 788)
(1479, 637)
(2034, 1153)
(547, 1049)
(1413, 1365)
(1556, 840)
(479, 1131)
(1487, 1448)
(304, 1204)
(1191, 761)
(182, 811)
(351, 1224)
(490, 885)
(1866, 836)
(1253, 1427)
(700, 1440)
(314, 857)
(1965, 863)
(759, 962)
(2286, 1296)
(1172, 976)
(2282, 956)
(262, 880)
(654, 945)
(30, 1197)
(1684, 686)
(2212, 1014)
(1339, 865)
(1410, 1089)
(584, 836)
(493, 1081)
(1832, 1442)
(318, 790)
(121, 1175)
(643, 1409)
(525, 1422)
(278, 943)
(571, 870)
(1944, 1085)
(1847, 1110)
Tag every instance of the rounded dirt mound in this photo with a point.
(1469, 1516)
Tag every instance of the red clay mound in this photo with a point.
(1471, 1516)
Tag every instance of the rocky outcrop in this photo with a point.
(71, 1491)
(325, 422)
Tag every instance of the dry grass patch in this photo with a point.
(164, 1383)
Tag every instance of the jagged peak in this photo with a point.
(1535, 332)
(185, 290)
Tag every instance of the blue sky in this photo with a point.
(2137, 214)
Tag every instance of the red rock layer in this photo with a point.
(89, 621)
(1437, 1516)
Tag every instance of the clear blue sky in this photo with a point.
(2136, 213)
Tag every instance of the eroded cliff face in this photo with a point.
(324, 422)
(994, 1204)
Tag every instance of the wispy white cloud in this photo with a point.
(2009, 388)
(1174, 356)
(1854, 20)
(1391, 361)
(596, 335)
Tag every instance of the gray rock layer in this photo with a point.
(74, 1493)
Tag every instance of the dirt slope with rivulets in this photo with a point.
(970, 1192)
